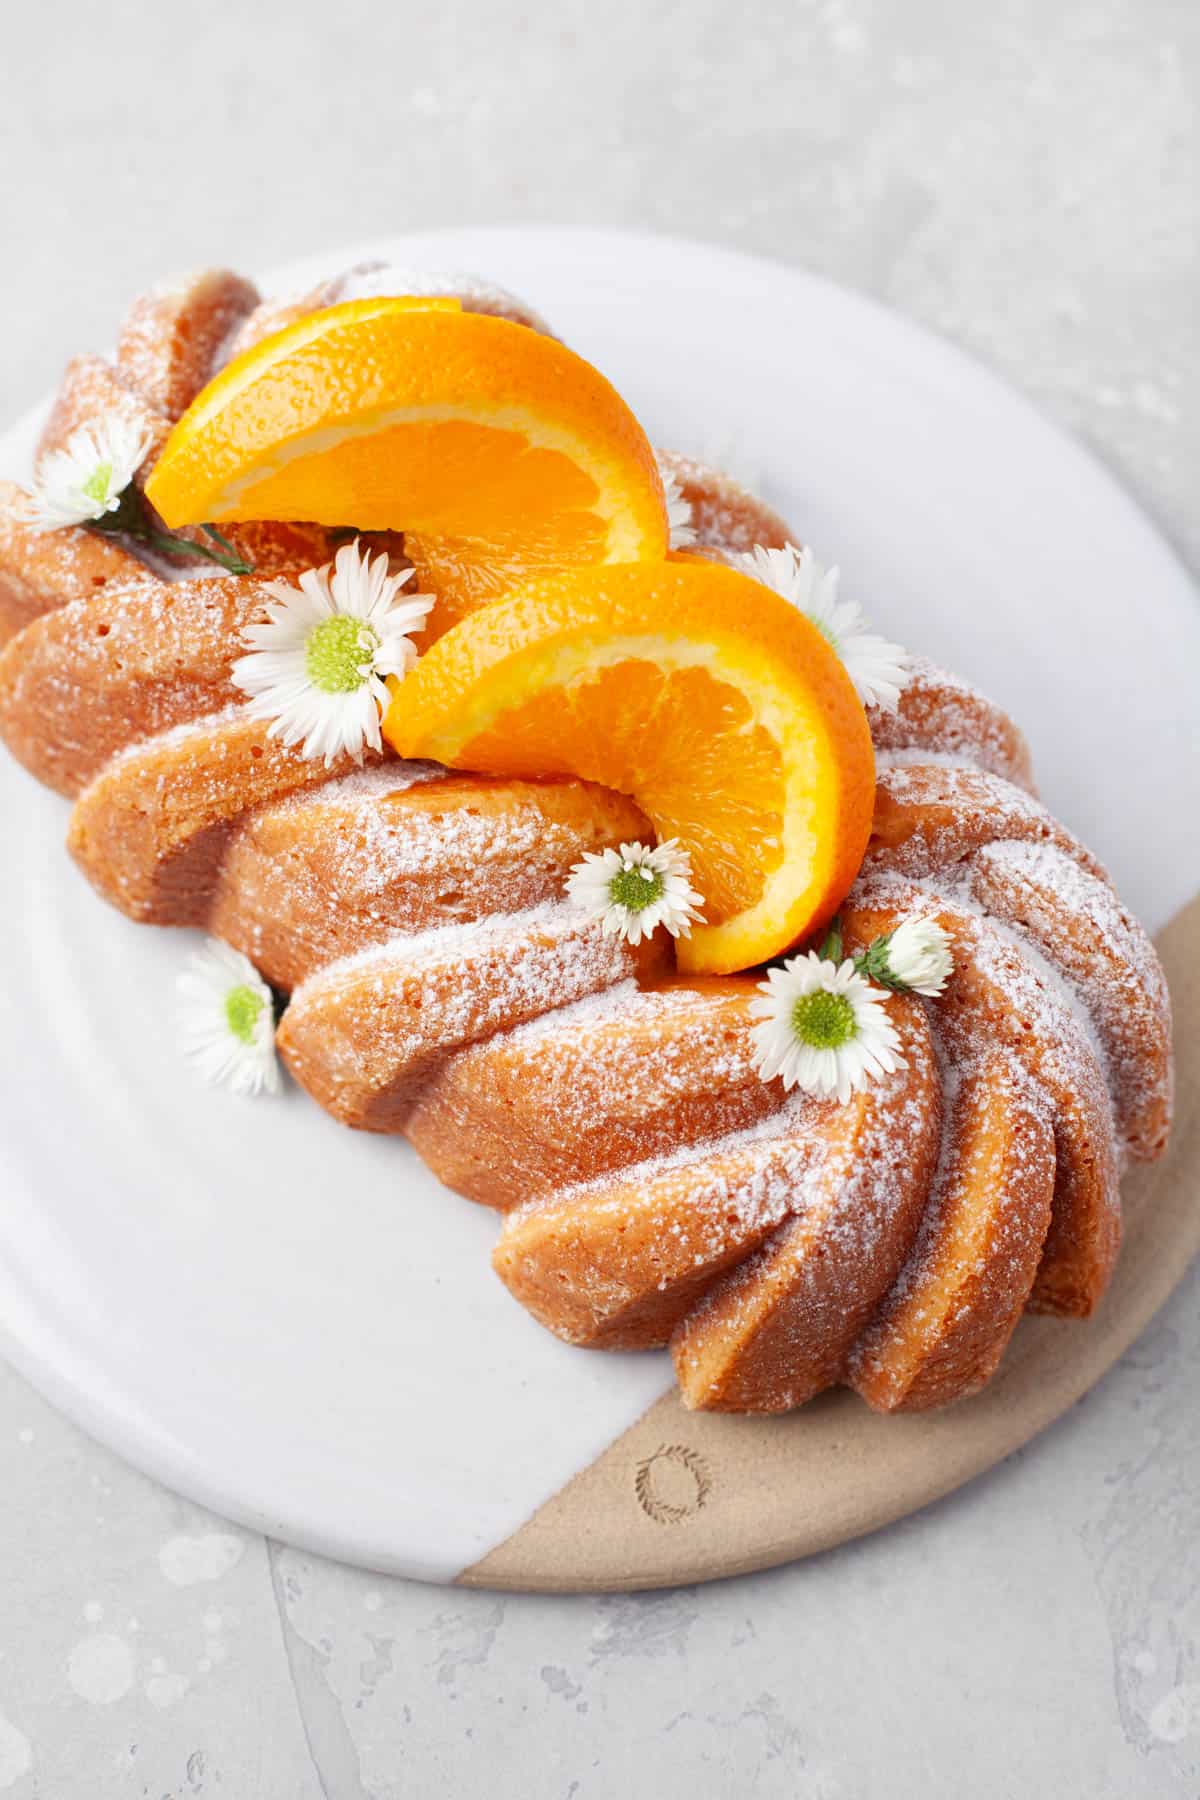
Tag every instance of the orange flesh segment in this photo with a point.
(674, 734)
(696, 690)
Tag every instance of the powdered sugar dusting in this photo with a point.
(369, 1026)
(941, 714)
(132, 660)
(797, 1115)
(1003, 992)
(363, 788)
(94, 388)
(171, 335)
(582, 1091)
(1075, 925)
(654, 1233)
(919, 756)
(208, 726)
(371, 281)
(41, 571)
(400, 848)
(948, 1317)
(778, 1326)
(726, 517)
(931, 815)
(417, 951)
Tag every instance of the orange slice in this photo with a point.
(705, 696)
(501, 451)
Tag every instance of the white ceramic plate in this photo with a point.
(297, 1325)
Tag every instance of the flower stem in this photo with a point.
(831, 949)
(176, 546)
(218, 537)
(132, 518)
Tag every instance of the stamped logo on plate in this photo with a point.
(673, 1484)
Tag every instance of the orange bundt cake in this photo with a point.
(660, 1182)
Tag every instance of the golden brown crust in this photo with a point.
(994, 996)
(939, 713)
(150, 831)
(93, 389)
(726, 516)
(620, 1265)
(129, 662)
(400, 848)
(286, 548)
(776, 1330)
(277, 314)
(929, 816)
(364, 1034)
(270, 316)
(43, 570)
(132, 659)
(944, 1326)
(1077, 923)
(582, 1094)
(171, 335)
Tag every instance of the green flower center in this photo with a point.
(635, 888)
(243, 1004)
(336, 652)
(824, 1021)
(98, 482)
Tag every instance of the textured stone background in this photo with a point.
(1022, 177)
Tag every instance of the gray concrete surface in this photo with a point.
(1022, 177)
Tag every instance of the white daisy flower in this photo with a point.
(679, 510)
(227, 1020)
(822, 1027)
(913, 959)
(878, 669)
(634, 890)
(317, 669)
(85, 480)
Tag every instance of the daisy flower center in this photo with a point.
(339, 652)
(824, 1021)
(242, 1009)
(97, 484)
(636, 888)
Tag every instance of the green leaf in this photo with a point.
(831, 950)
(873, 963)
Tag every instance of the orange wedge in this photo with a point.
(498, 449)
(705, 696)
